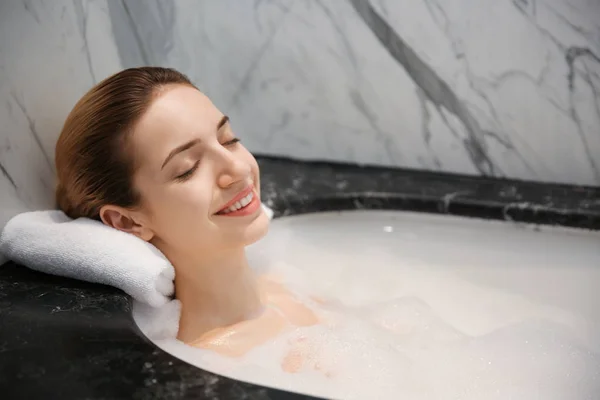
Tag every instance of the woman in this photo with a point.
(147, 153)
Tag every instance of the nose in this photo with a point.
(231, 168)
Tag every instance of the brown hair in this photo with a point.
(93, 164)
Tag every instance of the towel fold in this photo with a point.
(88, 250)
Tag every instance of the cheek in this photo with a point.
(193, 199)
(181, 221)
(253, 167)
(176, 206)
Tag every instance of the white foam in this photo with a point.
(425, 307)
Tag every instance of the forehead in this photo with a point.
(176, 115)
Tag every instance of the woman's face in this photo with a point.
(193, 177)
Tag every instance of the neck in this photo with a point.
(215, 293)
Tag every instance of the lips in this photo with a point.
(239, 202)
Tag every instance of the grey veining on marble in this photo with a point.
(410, 84)
(484, 87)
(143, 31)
(50, 54)
(435, 90)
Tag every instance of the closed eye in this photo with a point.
(187, 174)
(231, 142)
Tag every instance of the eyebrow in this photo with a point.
(191, 143)
(222, 122)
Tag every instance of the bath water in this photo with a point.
(423, 306)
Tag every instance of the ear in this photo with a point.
(126, 221)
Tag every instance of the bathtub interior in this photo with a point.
(428, 306)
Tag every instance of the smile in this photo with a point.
(245, 203)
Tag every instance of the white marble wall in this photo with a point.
(494, 87)
(503, 88)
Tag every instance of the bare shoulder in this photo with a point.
(277, 296)
(236, 340)
(282, 310)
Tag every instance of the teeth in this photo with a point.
(239, 204)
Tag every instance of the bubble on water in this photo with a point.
(414, 323)
(501, 362)
(437, 308)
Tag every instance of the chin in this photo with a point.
(256, 230)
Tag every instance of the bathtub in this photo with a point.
(66, 339)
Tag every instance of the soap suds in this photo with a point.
(425, 307)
